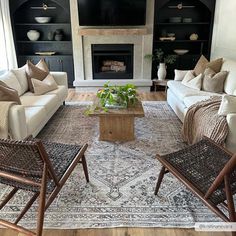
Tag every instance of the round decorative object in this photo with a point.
(193, 36)
(42, 19)
(33, 35)
(181, 51)
(161, 73)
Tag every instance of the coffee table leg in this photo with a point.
(116, 128)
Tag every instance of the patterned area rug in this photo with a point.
(122, 175)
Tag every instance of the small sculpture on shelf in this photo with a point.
(58, 35)
(193, 36)
(50, 35)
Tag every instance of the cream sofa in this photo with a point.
(35, 111)
(180, 98)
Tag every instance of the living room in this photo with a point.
(117, 117)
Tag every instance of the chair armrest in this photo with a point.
(231, 138)
(17, 122)
(60, 78)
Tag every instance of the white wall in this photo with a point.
(224, 32)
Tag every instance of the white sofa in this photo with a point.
(35, 111)
(180, 98)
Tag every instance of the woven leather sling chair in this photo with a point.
(209, 171)
(39, 167)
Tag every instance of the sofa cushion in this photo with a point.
(228, 105)
(11, 81)
(8, 94)
(191, 100)
(214, 82)
(44, 86)
(61, 92)
(192, 81)
(230, 82)
(49, 102)
(34, 117)
(33, 71)
(21, 76)
(201, 65)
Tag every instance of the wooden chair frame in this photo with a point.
(44, 203)
(223, 176)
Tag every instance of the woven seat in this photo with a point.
(40, 167)
(208, 170)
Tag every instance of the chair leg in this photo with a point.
(160, 178)
(42, 201)
(85, 167)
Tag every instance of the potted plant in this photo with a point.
(160, 57)
(115, 97)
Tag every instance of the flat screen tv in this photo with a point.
(112, 12)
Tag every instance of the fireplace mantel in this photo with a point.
(106, 31)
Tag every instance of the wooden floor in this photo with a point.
(153, 96)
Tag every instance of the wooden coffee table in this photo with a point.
(118, 124)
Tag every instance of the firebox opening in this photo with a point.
(112, 61)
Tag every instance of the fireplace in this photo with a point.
(112, 61)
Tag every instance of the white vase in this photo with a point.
(161, 73)
(33, 35)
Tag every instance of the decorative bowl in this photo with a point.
(175, 19)
(42, 19)
(181, 51)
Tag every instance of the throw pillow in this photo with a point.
(192, 81)
(201, 65)
(42, 87)
(8, 94)
(215, 65)
(33, 71)
(214, 82)
(228, 105)
(22, 78)
(11, 81)
(179, 74)
(42, 65)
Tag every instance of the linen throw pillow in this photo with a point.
(8, 94)
(228, 105)
(215, 65)
(22, 78)
(179, 74)
(200, 66)
(33, 71)
(42, 65)
(192, 81)
(42, 87)
(214, 82)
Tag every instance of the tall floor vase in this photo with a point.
(161, 73)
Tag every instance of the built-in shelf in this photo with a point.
(40, 24)
(130, 31)
(26, 41)
(180, 41)
(182, 23)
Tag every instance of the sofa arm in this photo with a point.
(60, 78)
(17, 122)
(231, 138)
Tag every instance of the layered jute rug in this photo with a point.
(122, 176)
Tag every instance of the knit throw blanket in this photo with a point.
(202, 119)
(4, 111)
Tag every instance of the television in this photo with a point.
(112, 12)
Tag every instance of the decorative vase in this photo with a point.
(50, 35)
(33, 35)
(161, 73)
(58, 35)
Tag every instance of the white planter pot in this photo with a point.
(33, 35)
(161, 73)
